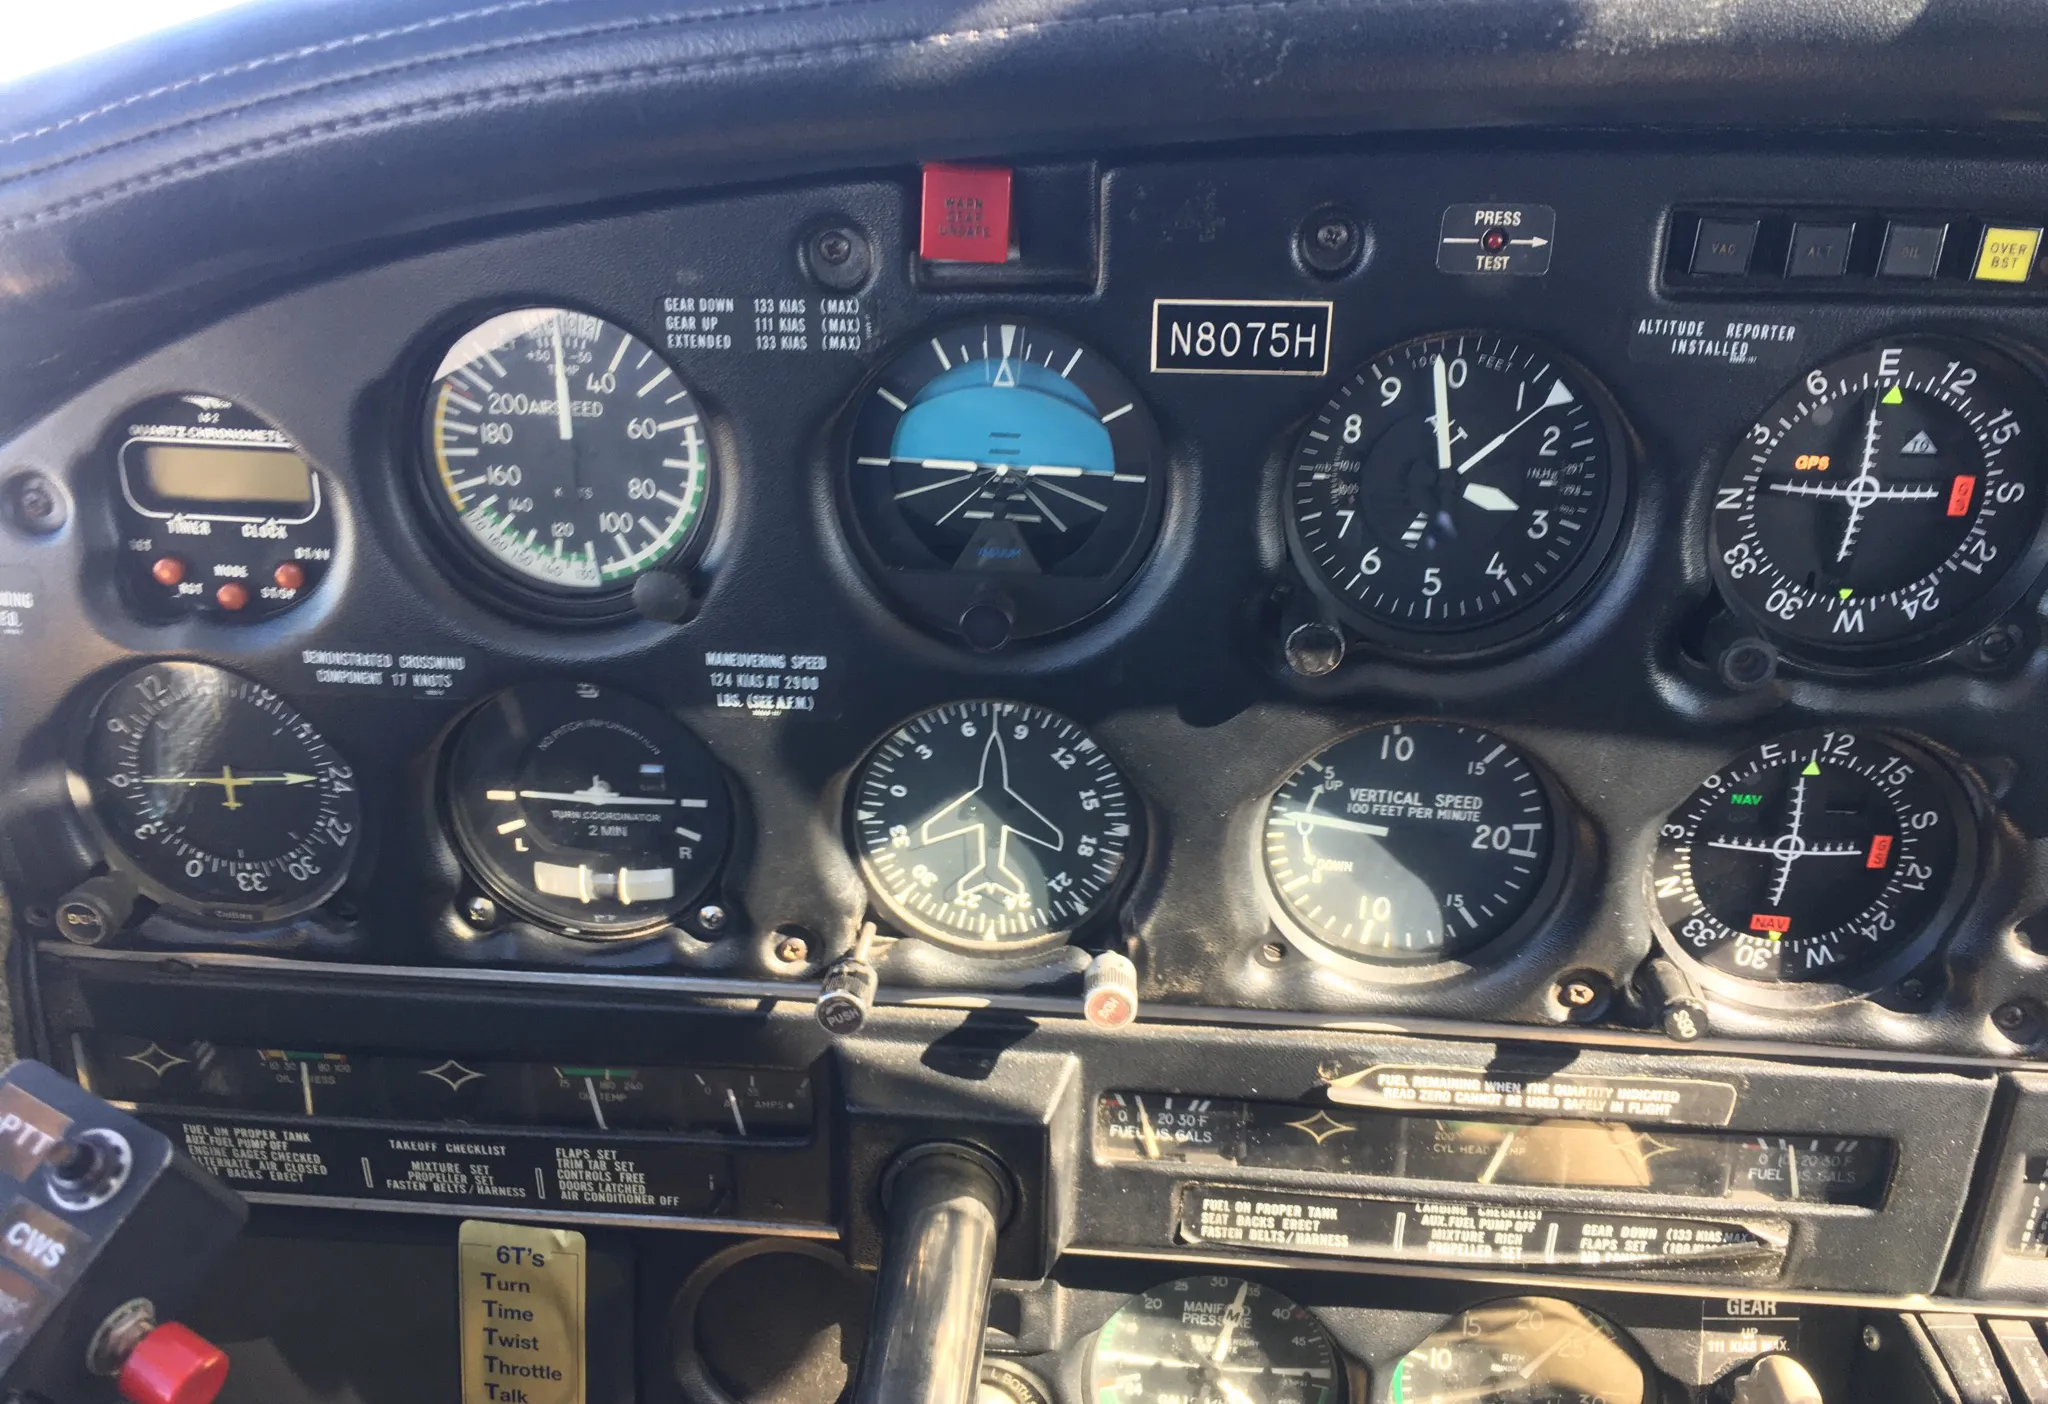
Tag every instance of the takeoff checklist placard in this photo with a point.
(522, 1314)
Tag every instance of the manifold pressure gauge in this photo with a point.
(585, 808)
(1888, 505)
(223, 801)
(1215, 1340)
(992, 827)
(1824, 857)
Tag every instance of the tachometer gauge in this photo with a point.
(586, 808)
(1458, 493)
(1816, 858)
(565, 454)
(1004, 481)
(990, 826)
(1214, 1340)
(1522, 1350)
(1889, 504)
(225, 801)
(1413, 842)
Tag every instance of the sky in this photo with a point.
(41, 34)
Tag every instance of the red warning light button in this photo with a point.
(966, 214)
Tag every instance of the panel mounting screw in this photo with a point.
(839, 256)
(711, 916)
(793, 950)
(1872, 1340)
(1272, 953)
(2018, 1019)
(1314, 649)
(1329, 241)
(36, 503)
(1995, 646)
(1747, 664)
(481, 911)
(1583, 995)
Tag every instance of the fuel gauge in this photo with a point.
(1145, 1126)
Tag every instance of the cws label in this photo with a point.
(1201, 336)
(522, 1314)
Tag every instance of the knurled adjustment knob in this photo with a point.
(846, 995)
(173, 1365)
(1109, 991)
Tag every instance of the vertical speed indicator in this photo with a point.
(1419, 841)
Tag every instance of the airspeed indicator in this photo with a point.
(565, 454)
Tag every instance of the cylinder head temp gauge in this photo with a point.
(1824, 858)
(1003, 481)
(223, 802)
(220, 515)
(585, 808)
(1889, 504)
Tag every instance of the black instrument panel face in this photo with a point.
(1367, 676)
(1457, 492)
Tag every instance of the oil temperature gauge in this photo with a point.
(586, 808)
